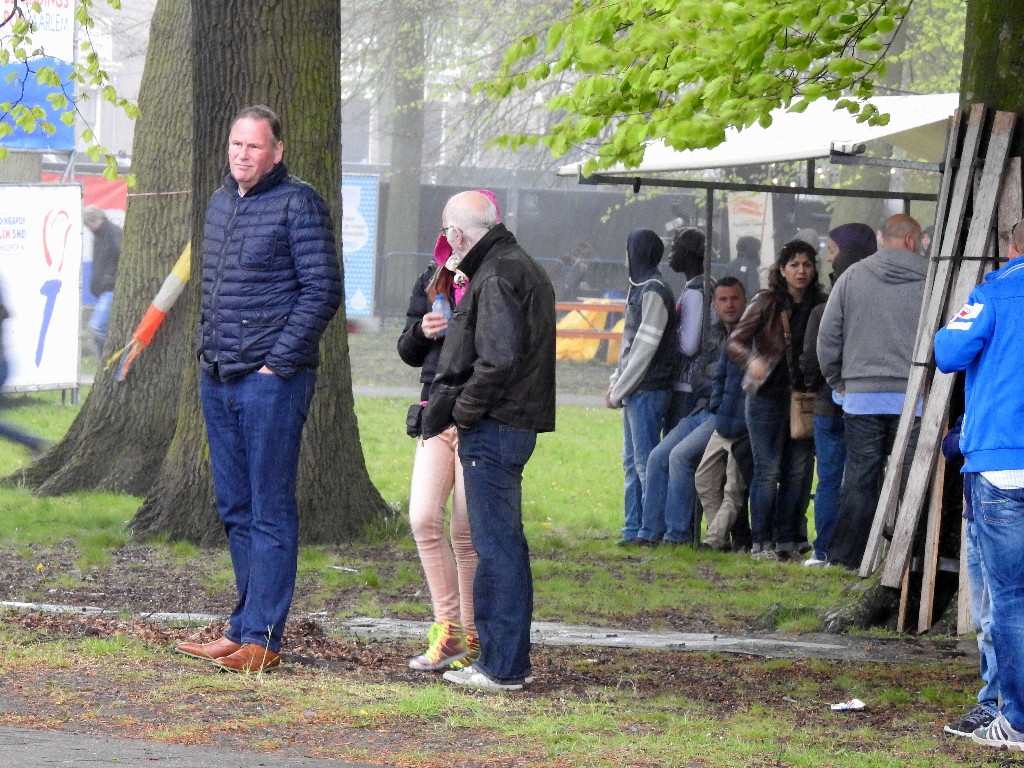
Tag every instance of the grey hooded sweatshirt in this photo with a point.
(866, 337)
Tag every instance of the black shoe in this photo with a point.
(967, 724)
(646, 543)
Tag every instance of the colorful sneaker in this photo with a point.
(967, 724)
(999, 734)
(472, 677)
(473, 646)
(445, 644)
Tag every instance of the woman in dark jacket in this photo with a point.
(847, 244)
(783, 468)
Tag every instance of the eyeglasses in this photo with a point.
(444, 230)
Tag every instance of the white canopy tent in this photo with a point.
(917, 124)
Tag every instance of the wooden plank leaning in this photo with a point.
(930, 561)
(983, 216)
(950, 214)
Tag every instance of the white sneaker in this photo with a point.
(999, 734)
(813, 562)
(472, 677)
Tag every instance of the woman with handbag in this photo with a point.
(437, 474)
(767, 343)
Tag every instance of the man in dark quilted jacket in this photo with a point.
(271, 283)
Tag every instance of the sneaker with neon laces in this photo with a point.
(472, 677)
(473, 644)
(999, 734)
(965, 725)
(446, 643)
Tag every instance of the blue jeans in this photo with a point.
(780, 489)
(981, 614)
(869, 441)
(830, 449)
(254, 427)
(666, 512)
(999, 527)
(100, 319)
(679, 407)
(643, 419)
(493, 456)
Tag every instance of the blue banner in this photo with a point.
(360, 196)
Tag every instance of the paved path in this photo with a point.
(768, 645)
(24, 748)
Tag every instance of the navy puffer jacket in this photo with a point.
(271, 278)
(728, 400)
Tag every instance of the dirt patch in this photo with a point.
(109, 697)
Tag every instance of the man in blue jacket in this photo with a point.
(984, 339)
(271, 283)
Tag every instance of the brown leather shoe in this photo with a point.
(208, 651)
(250, 658)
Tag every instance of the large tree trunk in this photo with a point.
(119, 438)
(146, 435)
(284, 55)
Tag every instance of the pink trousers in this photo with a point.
(449, 569)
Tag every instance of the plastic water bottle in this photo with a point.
(442, 307)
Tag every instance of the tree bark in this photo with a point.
(119, 438)
(993, 67)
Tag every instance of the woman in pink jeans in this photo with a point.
(436, 475)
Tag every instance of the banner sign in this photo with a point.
(359, 199)
(53, 38)
(750, 214)
(40, 274)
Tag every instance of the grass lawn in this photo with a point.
(599, 707)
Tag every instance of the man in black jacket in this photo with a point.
(106, 253)
(271, 283)
(496, 382)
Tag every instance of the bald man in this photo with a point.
(496, 383)
(865, 346)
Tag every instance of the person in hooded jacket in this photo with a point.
(648, 362)
(865, 346)
(746, 267)
(437, 474)
(687, 258)
(847, 244)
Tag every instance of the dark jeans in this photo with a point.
(830, 447)
(254, 427)
(869, 441)
(493, 456)
(780, 489)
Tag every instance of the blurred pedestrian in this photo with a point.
(106, 254)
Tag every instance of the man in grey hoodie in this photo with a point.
(865, 345)
(648, 363)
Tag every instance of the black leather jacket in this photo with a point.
(414, 348)
(498, 358)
